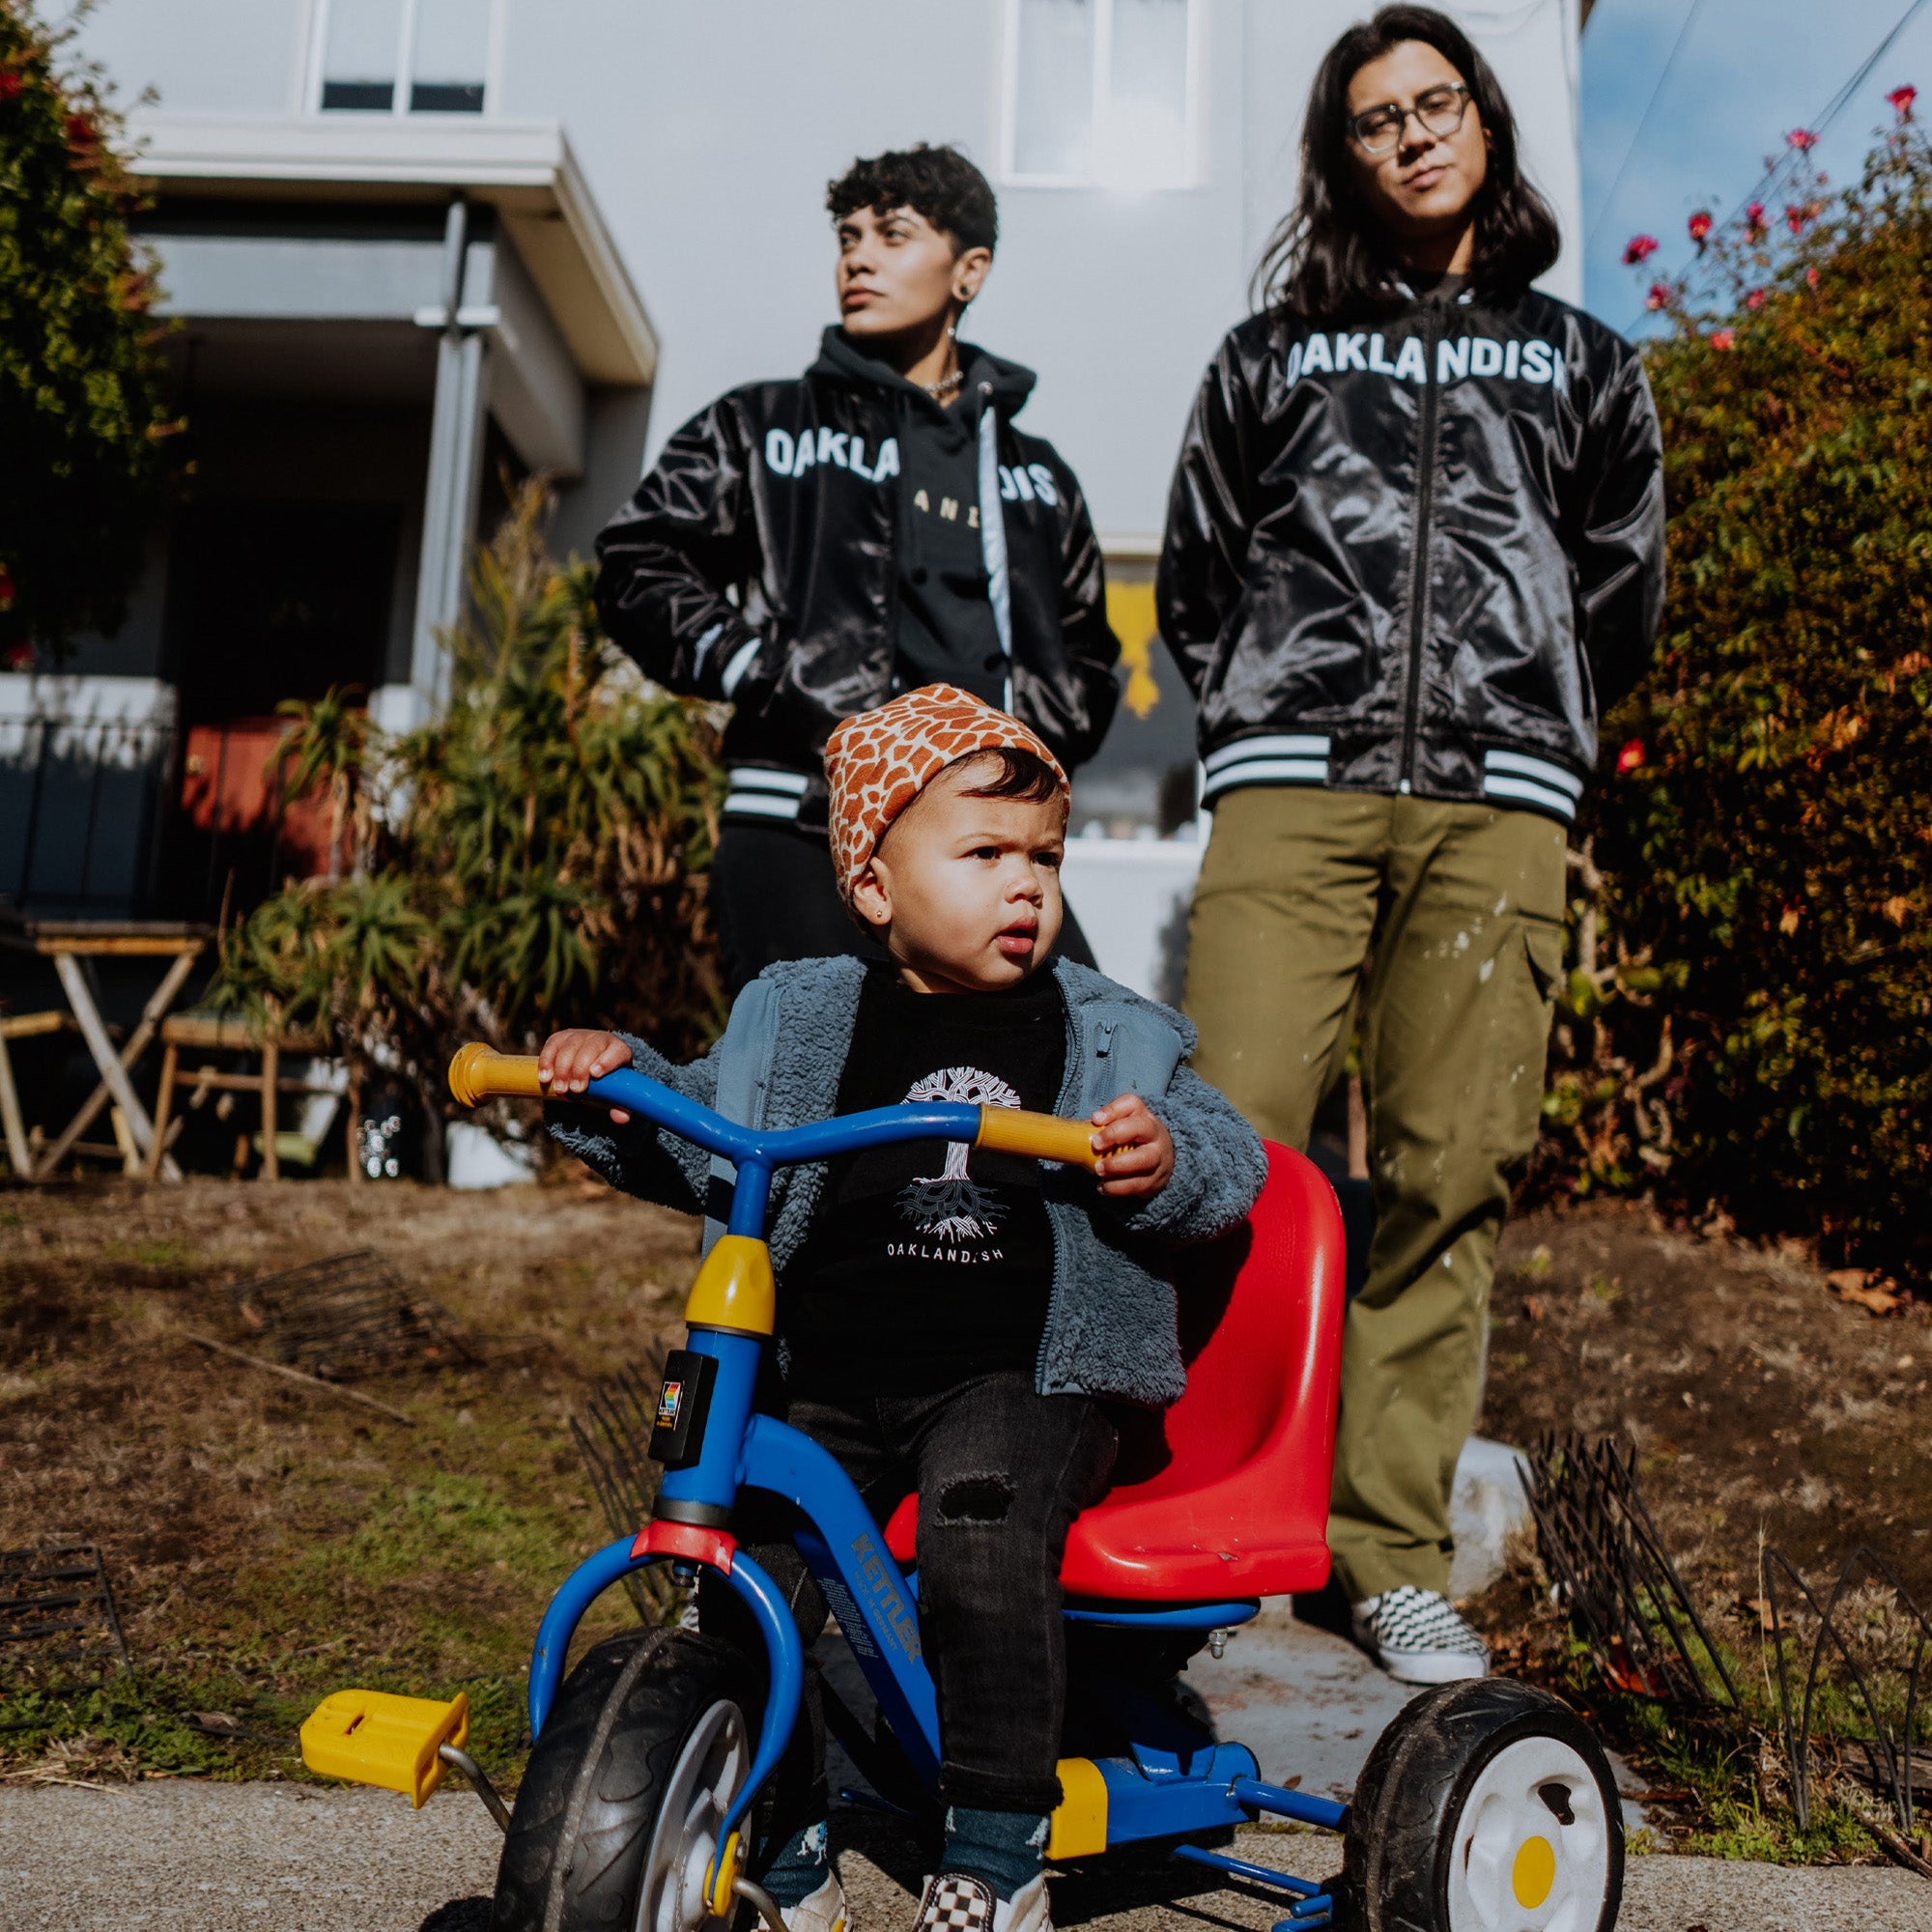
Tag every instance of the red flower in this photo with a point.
(1630, 756)
(1755, 217)
(1901, 98)
(1641, 248)
(1795, 217)
(20, 657)
(81, 133)
(1658, 296)
(1755, 299)
(1811, 278)
(10, 83)
(1701, 225)
(1723, 338)
(1803, 139)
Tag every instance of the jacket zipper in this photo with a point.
(1418, 586)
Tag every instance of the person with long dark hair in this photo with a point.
(806, 549)
(1415, 546)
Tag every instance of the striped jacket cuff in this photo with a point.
(757, 791)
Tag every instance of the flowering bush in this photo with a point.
(1748, 1019)
(81, 415)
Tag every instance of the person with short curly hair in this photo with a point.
(808, 549)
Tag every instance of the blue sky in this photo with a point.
(1748, 71)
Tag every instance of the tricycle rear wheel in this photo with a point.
(617, 1818)
(1487, 1807)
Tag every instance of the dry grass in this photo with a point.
(267, 1543)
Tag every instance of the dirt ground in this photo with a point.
(1759, 1404)
(267, 1543)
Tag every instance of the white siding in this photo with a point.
(708, 132)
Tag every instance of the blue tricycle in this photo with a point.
(1487, 1807)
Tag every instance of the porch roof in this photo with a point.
(523, 169)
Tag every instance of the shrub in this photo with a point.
(81, 415)
(531, 861)
(1755, 1029)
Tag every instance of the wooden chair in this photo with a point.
(231, 1032)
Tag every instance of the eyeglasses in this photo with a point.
(1440, 111)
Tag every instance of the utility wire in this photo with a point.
(1643, 121)
(1831, 111)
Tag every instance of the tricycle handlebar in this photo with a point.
(478, 1071)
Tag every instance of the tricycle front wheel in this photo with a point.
(1487, 1807)
(616, 1821)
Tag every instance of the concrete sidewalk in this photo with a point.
(189, 1856)
(180, 1856)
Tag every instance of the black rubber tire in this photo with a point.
(573, 1860)
(1403, 1821)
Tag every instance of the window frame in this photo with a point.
(1193, 172)
(398, 108)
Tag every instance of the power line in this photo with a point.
(1821, 126)
(1643, 121)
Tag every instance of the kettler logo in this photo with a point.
(1341, 351)
(669, 1397)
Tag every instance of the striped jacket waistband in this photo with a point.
(759, 792)
(1298, 757)
(1303, 757)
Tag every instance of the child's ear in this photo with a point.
(870, 898)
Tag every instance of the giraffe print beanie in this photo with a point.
(877, 762)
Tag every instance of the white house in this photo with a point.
(412, 242)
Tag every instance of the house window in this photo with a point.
(1102, 92)
(403, 56)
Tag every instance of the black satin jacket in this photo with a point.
(756, 562)
(1418, 554)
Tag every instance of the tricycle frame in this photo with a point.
(1159, 1790)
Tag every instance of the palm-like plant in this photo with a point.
(533, 859)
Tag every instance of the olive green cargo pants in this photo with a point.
(1458, 910)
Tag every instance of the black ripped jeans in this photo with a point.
(1000, 1473)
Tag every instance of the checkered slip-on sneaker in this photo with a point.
(823, 1912)
(1417, 1638)
(953, 1902)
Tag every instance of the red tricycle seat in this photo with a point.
(1226, 1493)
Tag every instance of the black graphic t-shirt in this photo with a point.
(927, 1264)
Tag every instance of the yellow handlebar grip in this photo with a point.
(479, 1071)
(1041, 1136)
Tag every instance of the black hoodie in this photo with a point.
(766, 557)
(947, 630)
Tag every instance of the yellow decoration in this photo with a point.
(1130, 611)
(478, 1071)
(371, 1737)
(734, 1289)
(1533, 1875)
(1078, 1827)
(1041, 1136)
(723, 1877)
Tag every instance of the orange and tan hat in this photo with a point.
(877, 762)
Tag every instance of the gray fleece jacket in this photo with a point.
(1110, 1327)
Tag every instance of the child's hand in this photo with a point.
(571, 1060)
(1144, 1163)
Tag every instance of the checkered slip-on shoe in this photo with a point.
(953, 1902)
(1417, 1638)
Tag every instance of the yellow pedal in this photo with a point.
(370, 1737)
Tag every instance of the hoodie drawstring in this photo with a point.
(993, 532)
